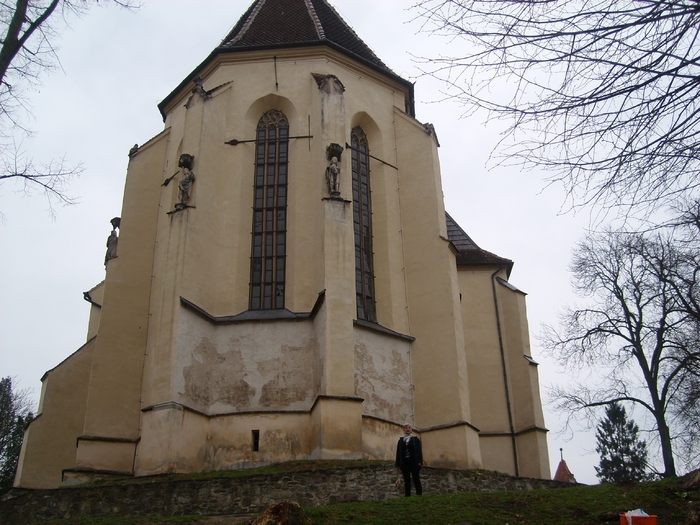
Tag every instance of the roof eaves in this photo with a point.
(510, 286)
(222, 50)
(483, 258)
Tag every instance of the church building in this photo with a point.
(284, 283)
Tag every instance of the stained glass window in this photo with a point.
(362, 221)
(268, 252)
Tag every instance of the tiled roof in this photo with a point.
(467, 250)
(563, 473)
(283, 23)
(273, 24)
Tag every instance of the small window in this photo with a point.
(256, 441)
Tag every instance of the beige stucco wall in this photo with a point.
(97, 295)
(105, 455)
(527, 407)
(115, 381)
(528, 418)
(438, 358)
(176, 439)
(532, 454)
(49, 444)
(454, 446)
(490, 408)
(379, 438)
(497, 452)
(114, 390)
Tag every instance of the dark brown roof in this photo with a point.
(272, 24)
(292, 22)
(467, 250)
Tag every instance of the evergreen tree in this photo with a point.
(623, 457)
(15, 414)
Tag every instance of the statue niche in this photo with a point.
(185, 185)
(333, 155)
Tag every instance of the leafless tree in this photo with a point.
(635, 332)
(15, 414)
(28, 48)
(604, 93)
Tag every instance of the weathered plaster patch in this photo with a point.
(288, 378)
(382, 376)
(246, 367)
(217, 377)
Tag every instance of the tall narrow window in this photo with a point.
(362, 219)
(267, 262)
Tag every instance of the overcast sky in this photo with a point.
(115, 66)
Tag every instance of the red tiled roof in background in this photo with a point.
(563, 473)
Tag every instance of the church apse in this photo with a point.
(299, 299)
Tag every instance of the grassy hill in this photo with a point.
(580, 505)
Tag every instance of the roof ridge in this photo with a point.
(249, 21)
(317, 21)
(349, 28)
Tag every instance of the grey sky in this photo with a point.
(117, 65)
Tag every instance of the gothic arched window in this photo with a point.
(362, 221)
(268, 253)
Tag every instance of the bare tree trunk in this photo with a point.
(666, 447)
(14, 40)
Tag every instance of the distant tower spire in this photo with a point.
(563, 473)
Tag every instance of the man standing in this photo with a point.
(409, 458)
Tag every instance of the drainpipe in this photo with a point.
(505, 370)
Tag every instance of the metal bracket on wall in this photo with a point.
(236, 142)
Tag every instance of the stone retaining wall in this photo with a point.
(245, 494)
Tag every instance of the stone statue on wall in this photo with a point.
(185, 185)
(112, 240)
(333, 153)
(199, 88)
(333, 177)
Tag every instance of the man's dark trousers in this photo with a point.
(410, 468)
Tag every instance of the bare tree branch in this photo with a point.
(638, 331)
(29, 31)
(603, 93)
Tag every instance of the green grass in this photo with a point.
(581, 505)
(129, 520)
(572, 506)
